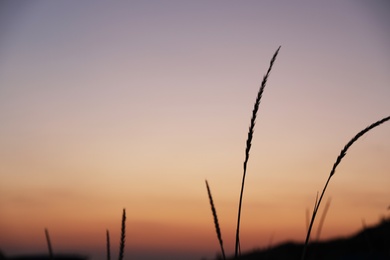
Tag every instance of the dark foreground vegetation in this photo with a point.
(371, 243)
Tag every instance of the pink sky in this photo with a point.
(105, 106)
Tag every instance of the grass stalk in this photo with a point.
(248, 147)
(49, 243)
(123, 236)
(216, 223)
(307, 214)
(108, 245)
(322, 219)
(332, 172)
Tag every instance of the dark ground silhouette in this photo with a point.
(371, 243)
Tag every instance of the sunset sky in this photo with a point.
(106, 105)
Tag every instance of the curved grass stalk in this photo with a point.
(332, 172)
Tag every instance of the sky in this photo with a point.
(134, 104)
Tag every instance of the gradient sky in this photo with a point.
(133, 104)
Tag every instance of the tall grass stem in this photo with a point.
(248, 147)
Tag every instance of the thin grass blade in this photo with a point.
(49, 243)
(108, 245)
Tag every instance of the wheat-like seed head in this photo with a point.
(123, 236)
(215, 217)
